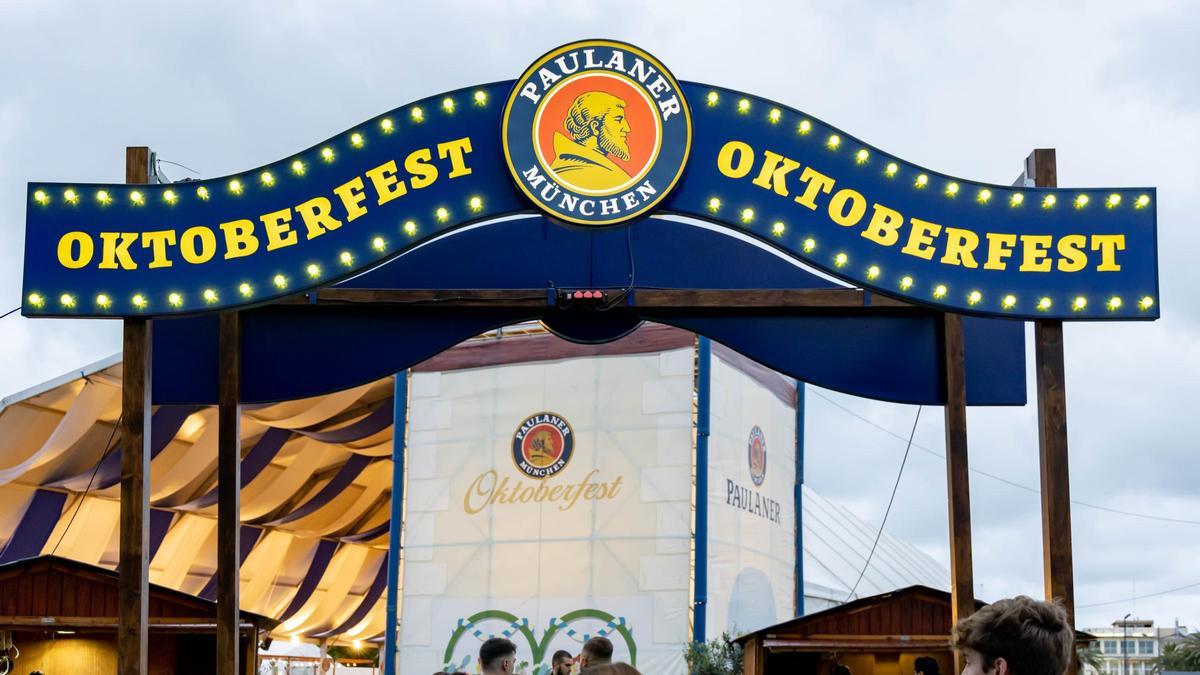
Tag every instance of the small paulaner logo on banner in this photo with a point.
(756, 450)
(596, 132)
(542, 445)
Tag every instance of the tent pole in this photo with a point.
(133, 568)
(703, 413)
(396, 523)
(962, 582)
(229, 483)
(799, 499)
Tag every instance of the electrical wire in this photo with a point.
(852, 413)
(107, 448)
(9, 312)
(1140, 597)
(891, 500)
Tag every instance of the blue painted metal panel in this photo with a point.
(703, 427)
(396, 521)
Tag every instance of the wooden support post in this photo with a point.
(1041, 166)
(229, 483)
(133, 566)
(962, 580)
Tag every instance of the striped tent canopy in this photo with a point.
(316, 492)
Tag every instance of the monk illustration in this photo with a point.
(541, 449)
(597, 131)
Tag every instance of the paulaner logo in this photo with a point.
(542, 445)
(596, 132)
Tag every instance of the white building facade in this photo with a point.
(1130, 646)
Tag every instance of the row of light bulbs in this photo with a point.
(921, 182)
(245, 289)
(236, 186)
(940, 291)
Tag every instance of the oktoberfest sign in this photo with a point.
(594, 134)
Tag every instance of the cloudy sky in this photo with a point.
(966, 88)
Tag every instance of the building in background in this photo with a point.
(1130, 646)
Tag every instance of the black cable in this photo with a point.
(107, 448)
(167, 161)
(9, 312)
(620, 297)
(889, 506)
(1139, 597)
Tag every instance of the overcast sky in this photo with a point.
(965, 88)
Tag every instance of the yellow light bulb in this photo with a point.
(356, 140)
(1146, 302)
(442, 214)
(1017, 199)
(1080, 303)
(774, 115)
(245, 289)
(810, 244)
(103, 301)
(41, 197)
(1045, 304)
(922, 181)
(984, 195)
(137, 198)
(202, 193)
(873, 272)
(1009, 301)
(1049, 201)
(481, 97)
(378, 243)
(71, 196)
(327, 154)
(777, 228)
(747, 215)
(410, 228)
(298, 167)
(210, 295)
(387, 125)
(841, 259)
(347, 258)
(67, 300)
(170, 197)
(358, 645)
(1114, 303)
(448, 104)
(1142, 201)
(280, 281)
(712, 98)
(103, 197)
(139, 301)
(417, 114)
(476, 203)
(834, 141)
(974, 297)
(939, 291)
(891, 169)
(175, 299)
(906, 283)
(266, 178)
(952, 190)
(1081, 201)
(862, 156)
(1114, 200)
(804, 127)
(235, 186)
(314, 270)
(36, 299)
(714, 204)
(744, 106)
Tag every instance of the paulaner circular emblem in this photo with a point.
(596, 132)
(757, 454)
(542, 445)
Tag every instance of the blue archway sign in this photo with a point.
(368, 194)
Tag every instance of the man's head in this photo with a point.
(1017, 636)
(596, 652)
(599, 115)
(498, 656)
(560, 663)
(925, 665)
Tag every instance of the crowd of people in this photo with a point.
(498, 656)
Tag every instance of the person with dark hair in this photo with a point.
(596, 652)
(925, 665)
(498, 656)
(561, 662)
(1016, 636)
(613, 669)
(840, 669)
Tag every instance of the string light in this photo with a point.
(210, 296)
(747, 215)
(1044, 304)
(170, 197)
(744, 106)
(891, 169)
(1009, 301)
(481, 98)
(862, 156)
(448, 104)
(906, 283)
(378, 243)
(774, 115)
(410, 228)
(1146, 303)
(1017, 199)
(139, 301)
(103, 197)
(175, 299)
(137, 198)
(952, 190)
(266, 178)
(1114, 200)
(327, 154)
(873, 272)
(1080, 304)
(71, 196)
(714, 204)
(1049, 201)
(280, 281)
(245, 289)
(922, 181)
(777, 228)
(974, 298)
(103, 301)
(387, 125)
(36, 300)
(1142, 202)
(417, 114)
(1114, 303)
(833, 142)
(809, 245)
(476, 203)
(712, 98)
(235, 186)
(442, 214)
(804, 127)
(202, 193)
(940, 291)
(67, 300)
(41, 197)
(347, 258)
(356, 140)
(841, 259)
(313, 269)
(984, 195)
(298, 167)
(1081, 201)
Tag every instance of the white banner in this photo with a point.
(751, 503)
(549, 502)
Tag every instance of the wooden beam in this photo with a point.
(133, 564)
(1058, 567)
(962, 581)
(229, 481)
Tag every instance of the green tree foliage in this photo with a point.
(1183, 655)
(721, 656)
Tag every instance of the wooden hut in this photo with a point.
(61, 616)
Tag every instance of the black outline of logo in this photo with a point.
(518, 455)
